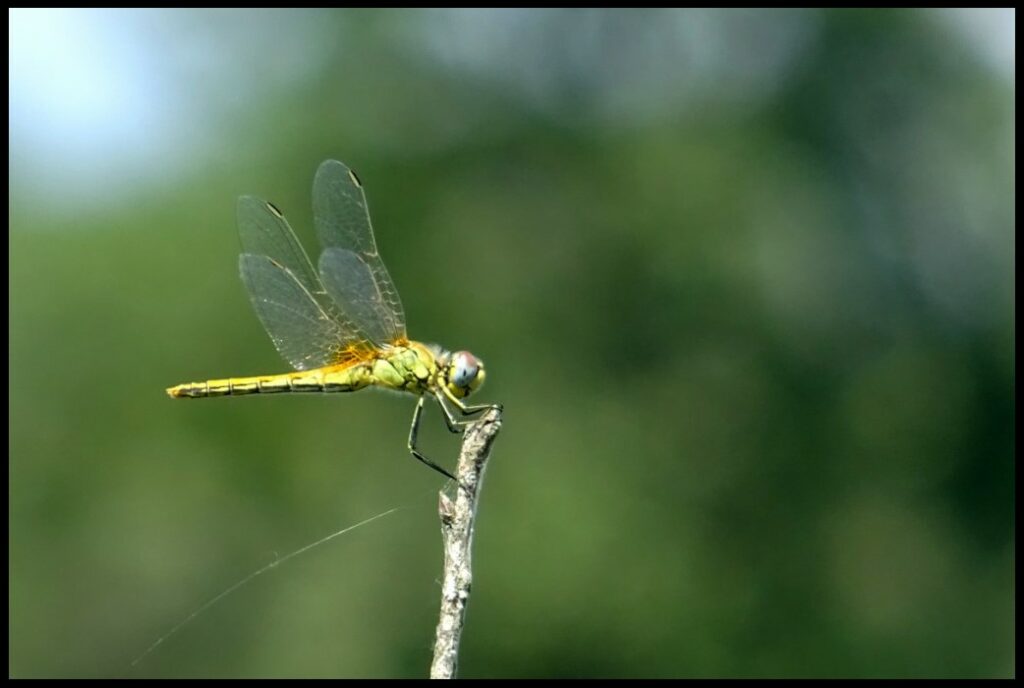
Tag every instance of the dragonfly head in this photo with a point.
(464, 374)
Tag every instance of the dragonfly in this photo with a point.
(340, 326)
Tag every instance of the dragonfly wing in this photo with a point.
(264, 232)
(350, 282)
(343, 225)
(304, 333)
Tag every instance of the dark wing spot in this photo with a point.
(273, 209)
(355, 179)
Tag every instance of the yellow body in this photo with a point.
(411, 367)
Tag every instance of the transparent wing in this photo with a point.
(264, 232)
(304, 322)
(303, 332)
(350, 282)
(342, 219)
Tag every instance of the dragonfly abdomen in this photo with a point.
(330, 379)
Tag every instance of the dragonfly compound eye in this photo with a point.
(465, 373)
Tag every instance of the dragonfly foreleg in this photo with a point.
(467, 410)
(413, 431)
(449, 419)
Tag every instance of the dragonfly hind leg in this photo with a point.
(414, 430)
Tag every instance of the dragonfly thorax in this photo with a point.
(419, 368)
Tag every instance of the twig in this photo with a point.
(457, 520)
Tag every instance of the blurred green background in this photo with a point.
(743, 281)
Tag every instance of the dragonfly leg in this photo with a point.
(467, 410)
(449, 419)
(412, 441)
(473, 410)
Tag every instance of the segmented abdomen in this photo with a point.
(333, 379)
